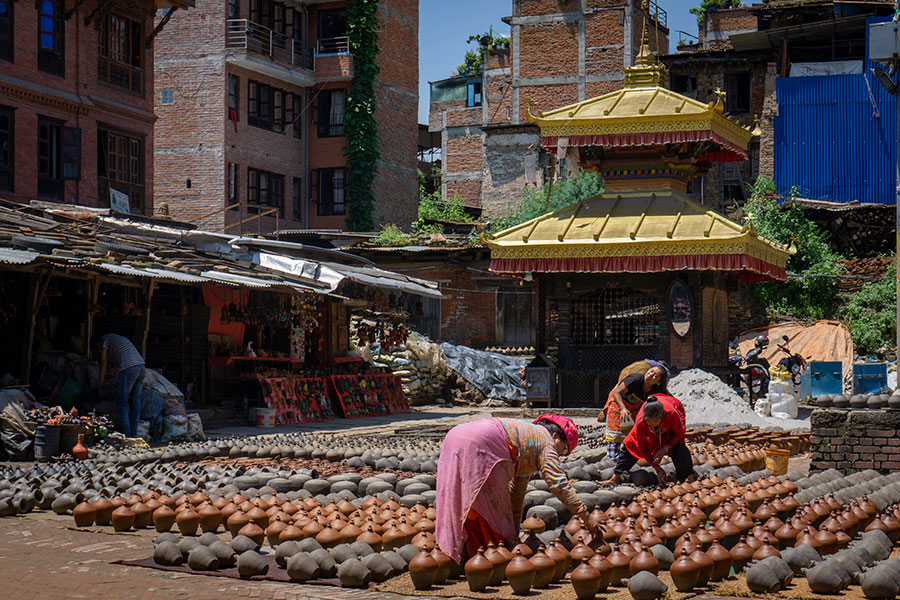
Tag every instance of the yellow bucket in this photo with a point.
(777, 461)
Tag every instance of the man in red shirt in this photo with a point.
(658, 432)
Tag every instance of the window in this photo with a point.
(7, 155)
(270, 108)
(265, 189)
(233, 88)
(234, 9)
(331, 192)
(684, 83)
(120, 162)
(6, 29)
(298, 199)
(167, 97)
(121, 54)
(50, 37)
(618, 316)
(474, 95)
(331, 112)
(50, 182)
(737, 92)
(332, 23)
(232, 185)
(298, 116)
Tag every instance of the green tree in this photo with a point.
(706, 5)
(871, 314)
(810, 291)
(474, 58)
(534, 201)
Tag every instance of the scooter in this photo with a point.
(750, 371)
(793, 362)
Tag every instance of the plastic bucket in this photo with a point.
(777, 461)
(265, 417)
(46, 442)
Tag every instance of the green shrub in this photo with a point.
(810, 291)
(534, 201)
(871, 314)
(391, 236)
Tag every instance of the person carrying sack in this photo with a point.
(625, 401)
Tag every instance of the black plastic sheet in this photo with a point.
(497, 376)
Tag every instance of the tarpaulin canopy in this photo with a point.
(823, 340)
(636, 232)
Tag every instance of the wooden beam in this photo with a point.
(599, 232)
(36, 290)
(101, 8)
(149, 288)
(149, 41)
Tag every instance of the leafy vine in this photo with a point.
(359, 121)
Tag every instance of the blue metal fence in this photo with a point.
(835, 137)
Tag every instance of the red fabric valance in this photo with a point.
(730, 152)
(752, 269)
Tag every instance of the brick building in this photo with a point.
(751, 53)
(76, 105)
(251, 98)
(559, 53)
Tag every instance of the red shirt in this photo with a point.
(644, 442)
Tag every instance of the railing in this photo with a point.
(243, 34)
(335, 45)
(658, 14)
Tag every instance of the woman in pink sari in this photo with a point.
(482, 476)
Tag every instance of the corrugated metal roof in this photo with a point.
(153, 272)
(17, 257)
(835, 138)
(239, 280)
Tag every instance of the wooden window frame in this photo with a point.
(264, 189)
(121, 54)
(52, 59)
(7, 45)
(127, 151)
(327, 207)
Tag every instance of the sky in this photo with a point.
(445, 25)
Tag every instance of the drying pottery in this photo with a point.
(254, 532)
(704, 565)
(84, 514)
(721, 561)
(163, 518)
(122, 519)
(621, 566)
(544, 568)
(225, 554)
(643, 561)
(187, 521)
(79, 452)
(167, 554)
(353, 573)
(423, 570)
(202, 558)
(646, 586)
(444, 563)
(741, 554)
(301, 567)
(210, 517)
(684, 572)
(479, 571)
(520, 573)
(251, 563)
(499, 561)
(585, 580)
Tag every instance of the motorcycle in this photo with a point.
(793, 362)
(750, 371)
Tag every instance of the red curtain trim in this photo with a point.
(752, 269)
(730, 152)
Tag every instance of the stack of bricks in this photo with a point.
(853, 440)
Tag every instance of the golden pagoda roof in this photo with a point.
(636, 232)
(643, 113)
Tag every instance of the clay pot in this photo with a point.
(187, 521)
(705, 566)
(251, 563)
(423, 570)
(560, 557)
(535, 524)
(621, 566)
(444, 563)
(544, 568)
(371, 538)
(78, 450)
(254, 532)
(684, 572)
(499, 561)
(210, 517)
(580, 551)
(329, 537)
(585, 580)
(721, 561)
(202, 558)
(767, 550)
(236, 522)
(122, 519)
(741, 554)
(479, 571)
(643, 561)
(273, 531)
(301, 567)
(84, 514)
(259, 517)
(143, 515)
(520, 573)
(290, 533)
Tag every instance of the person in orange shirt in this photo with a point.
(658, 432)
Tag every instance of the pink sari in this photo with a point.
(474, 473)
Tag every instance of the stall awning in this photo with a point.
(333, 274)
(637, 232)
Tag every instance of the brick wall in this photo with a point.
(76, 99)
(853, 440)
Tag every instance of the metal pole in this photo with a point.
(897, 202)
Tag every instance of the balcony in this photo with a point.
(334, 45)
(260, 49)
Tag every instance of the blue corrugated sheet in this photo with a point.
(835, 138)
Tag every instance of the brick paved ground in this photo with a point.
(42, 556)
